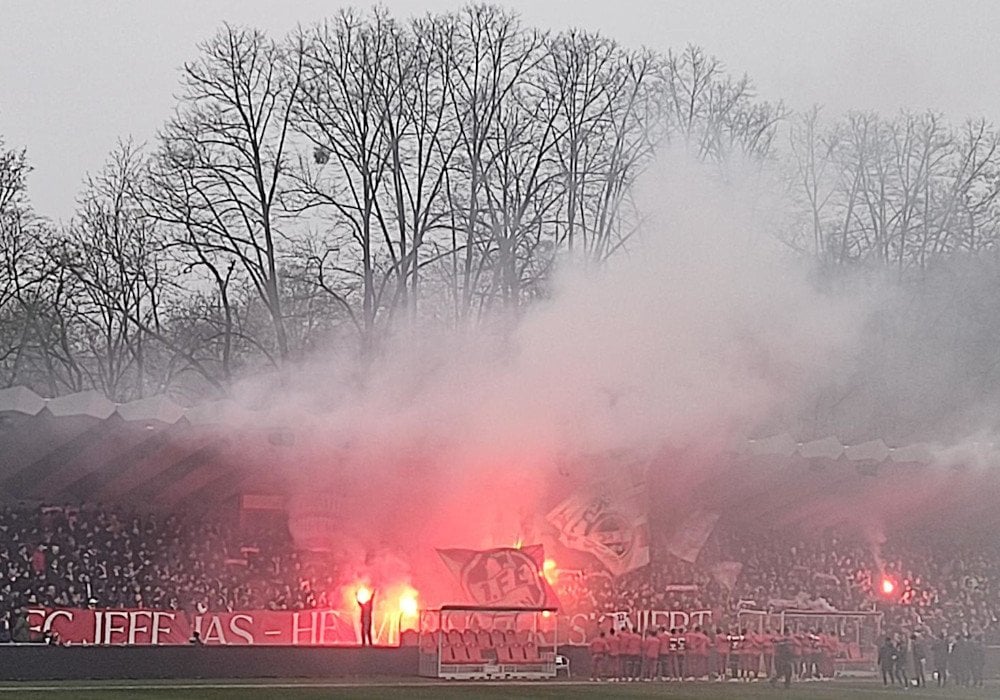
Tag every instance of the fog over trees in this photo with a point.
(367, 174)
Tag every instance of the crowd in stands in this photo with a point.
(61, 556)
(933, 585)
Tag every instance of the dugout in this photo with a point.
(476, 642)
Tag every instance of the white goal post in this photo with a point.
(858, 632)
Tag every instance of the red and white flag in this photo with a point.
(507, 576)
(609, 521)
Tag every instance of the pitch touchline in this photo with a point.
(111, 686)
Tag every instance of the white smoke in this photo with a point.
(703, 329)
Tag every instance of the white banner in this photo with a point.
(610, 522)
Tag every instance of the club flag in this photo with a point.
(687, 541)
(507, 576)
(610, 522)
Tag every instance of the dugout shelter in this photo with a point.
(488, 643)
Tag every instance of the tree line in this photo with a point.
(366, 172)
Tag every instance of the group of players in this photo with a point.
(678, 654)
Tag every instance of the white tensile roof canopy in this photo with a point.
(153, 452)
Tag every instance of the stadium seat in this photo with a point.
(469, 636)
(454, 637)
(505, 655)
(497, 639)
(483, 639)
(531, 653)
(473, 654)
(522, 636)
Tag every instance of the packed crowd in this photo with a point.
(918, 584)
(106, 557)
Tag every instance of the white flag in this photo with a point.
(610, 522)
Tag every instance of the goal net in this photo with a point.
(857, 633)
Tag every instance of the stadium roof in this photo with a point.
(85, 448)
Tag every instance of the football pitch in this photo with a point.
(310, 690)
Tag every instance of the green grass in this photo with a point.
(310, 690)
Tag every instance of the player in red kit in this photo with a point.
(767, 646)
(682, 649)
(752, 649)
(798, 653)
(721, 653)
(666, 654)
(633, 655)
(831, 647)
(650, 655)
(598, 655)
(614, 655)
(698, 646)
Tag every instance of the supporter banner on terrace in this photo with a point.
(159, 627)
(582, 628)
(608, 521)
(503, 576)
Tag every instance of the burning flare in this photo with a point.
(363, 595)
(408, 604)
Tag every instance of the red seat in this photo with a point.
(454, 637)
(483, 639)
(448, 655)
(473, 654)
(505, 655)
(469, 636)
(522, 636)
(531, 653)
(497, 639)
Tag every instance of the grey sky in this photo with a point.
(77, 75)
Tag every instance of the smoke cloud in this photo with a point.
(705, 329)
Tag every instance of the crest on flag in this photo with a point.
(504, 576)
(610, 522)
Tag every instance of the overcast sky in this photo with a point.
(77, 75)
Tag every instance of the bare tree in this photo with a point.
(349, 84)
(493, 56)
(114, 253)
(715, 115)
(216, 180)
